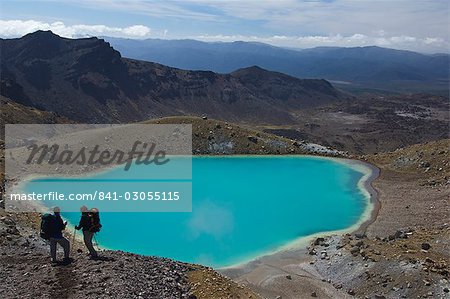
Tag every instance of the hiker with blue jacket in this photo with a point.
(51, 229)
(88, 226)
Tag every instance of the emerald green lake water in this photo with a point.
(242, 207)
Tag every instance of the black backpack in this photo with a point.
(47, 224)
(95, 222)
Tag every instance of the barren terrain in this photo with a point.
(402, 254)
(371, 124)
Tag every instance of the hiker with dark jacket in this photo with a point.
(87, 224)
(56, 236)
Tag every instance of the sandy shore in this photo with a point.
(368, 183)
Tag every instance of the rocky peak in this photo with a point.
(41, 34)
(37, 45)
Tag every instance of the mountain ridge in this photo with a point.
(88, 80)
(370, 66)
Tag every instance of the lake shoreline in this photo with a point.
(275, 273)
(369, 171)
(299, 245)
(374, 199)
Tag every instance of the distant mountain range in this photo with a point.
(87, 80)
(361, 66)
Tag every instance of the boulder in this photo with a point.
(360, 235)
(358, 243)
(252, 139)
(400, 235)
(428, 260)
(425, 164)
(319, 241)
(426, 246)
(354, 250)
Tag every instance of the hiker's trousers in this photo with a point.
(64, 244)
(87, 238)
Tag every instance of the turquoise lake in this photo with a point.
(242, 207)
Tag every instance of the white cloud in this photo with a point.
(153, 8)
(17, 28)
(429, 44)
(381, 22)
(400, 17)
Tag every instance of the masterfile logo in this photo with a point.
(126, 168)
(140, 153)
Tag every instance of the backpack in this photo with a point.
(95, 223)
(47, 224)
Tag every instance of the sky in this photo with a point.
(417, 25)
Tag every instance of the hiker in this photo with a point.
(89, 224)
(51, 229)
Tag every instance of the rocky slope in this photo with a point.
(411, 263)
(215, 137)
(403, 253)
(12, 112)
(26, 272)
(87, 80)
(416, 183)
(371, 124)
(429, 160)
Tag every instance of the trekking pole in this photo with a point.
(96, 243)
(73, 240)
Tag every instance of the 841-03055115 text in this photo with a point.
(100, 195)
(134, 195)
